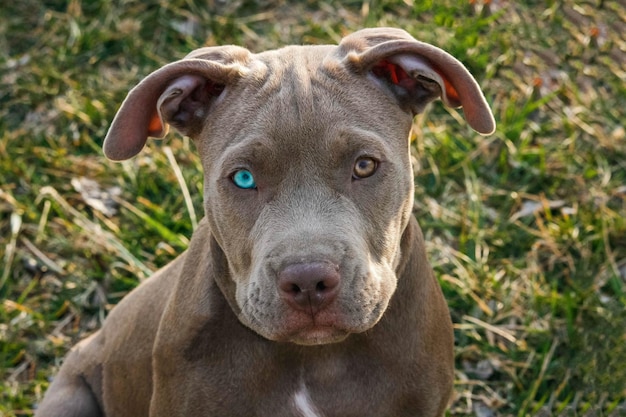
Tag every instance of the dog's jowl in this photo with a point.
(305, 290)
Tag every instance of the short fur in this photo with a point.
(224, 329)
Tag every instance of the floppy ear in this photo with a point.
(179, 94)
(416, 73)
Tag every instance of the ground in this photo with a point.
(526, 228)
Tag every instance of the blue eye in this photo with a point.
(244, 179)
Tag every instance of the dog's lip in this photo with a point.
(315, 335)
(326, 327)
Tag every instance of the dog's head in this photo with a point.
(308, 181)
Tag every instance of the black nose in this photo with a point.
(309, 287)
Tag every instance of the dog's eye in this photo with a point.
(244, 179)
(364, 167)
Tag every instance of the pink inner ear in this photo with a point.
(155, 127)
(393, 73)
(451, 94)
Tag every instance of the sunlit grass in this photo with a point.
(526, 228)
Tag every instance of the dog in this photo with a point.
(305, 290)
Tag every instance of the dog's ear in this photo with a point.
(416, 73)
(179, 94)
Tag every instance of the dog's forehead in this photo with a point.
(296, 53)
(301, 99)
(307, 87)
(298, 71)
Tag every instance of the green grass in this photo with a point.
(526, 228)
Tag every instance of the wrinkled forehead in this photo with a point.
(300, 93)
(296, 85)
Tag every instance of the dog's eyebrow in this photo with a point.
(247, 152)
(356, 137)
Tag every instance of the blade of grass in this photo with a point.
(9, 255)
(96, 232)
(166, 233)
(183, 186)
(532, 393)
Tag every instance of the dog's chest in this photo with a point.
(303, 404)
(335, 388)
(340, 399)
(297, 393)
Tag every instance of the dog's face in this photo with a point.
(308, 181)
(308, 185)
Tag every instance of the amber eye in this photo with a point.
(364, 167)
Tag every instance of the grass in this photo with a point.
(526, 228)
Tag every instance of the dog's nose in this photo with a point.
(309, 286)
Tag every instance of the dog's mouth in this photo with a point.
(306, 330)
(315, 335)
(326, 327)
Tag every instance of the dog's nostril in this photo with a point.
(309, 286)
(295, 289)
